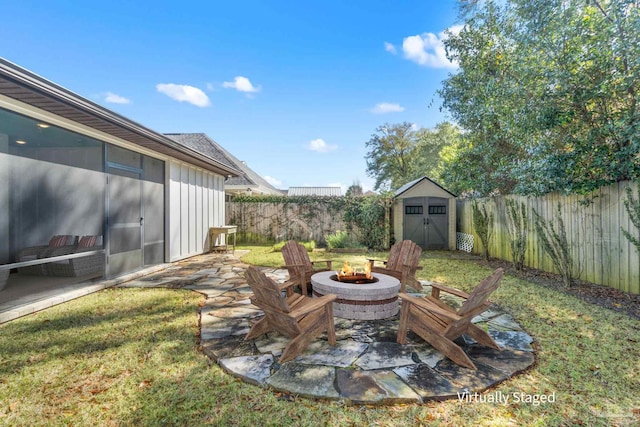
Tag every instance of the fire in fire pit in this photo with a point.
(349, 274)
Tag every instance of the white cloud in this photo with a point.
(241, 84)
(184, 93)
(390, 48)
(427, 49)
(386, 107)
(320, 146)
(273, 181)
(112, 98)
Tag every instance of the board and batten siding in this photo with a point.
(195, 202)
(602, 254)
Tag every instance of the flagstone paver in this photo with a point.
(366, 366)
(383, 355)
(342, 355)
(252, 369)
(305, 380)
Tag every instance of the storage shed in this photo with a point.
(425, 212)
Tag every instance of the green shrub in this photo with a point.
(483, 224)
(341, 239)
(278, 246)
(632, 205)
(517, 228)
(553, 239)
(337, 239)
(309, 246)
(366, 218)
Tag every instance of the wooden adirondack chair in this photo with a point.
(439, 324)
(402, 264)
(299, 265)
(296, 316)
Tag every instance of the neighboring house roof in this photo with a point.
(246, 179)
(314, 191)
(27, 87)
(415, 182)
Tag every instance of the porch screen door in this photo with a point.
(125, 221)
(125, 211)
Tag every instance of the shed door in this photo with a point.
(415, 220)
(438, 223)
(426, 222)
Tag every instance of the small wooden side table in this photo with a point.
(223, 230)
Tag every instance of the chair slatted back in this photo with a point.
(268, 296)
(401, 253)
(266, 292)
(481, 293)
(295, 254)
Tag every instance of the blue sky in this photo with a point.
(294, 88)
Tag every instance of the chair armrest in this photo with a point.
(286, 286)
(449, 290)
(393, 273)
(371, 261)
(428, 306)
(292, 265)
(313, 304)
(327, 261)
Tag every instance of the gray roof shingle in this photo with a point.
(202, 143)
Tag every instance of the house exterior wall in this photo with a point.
(4, 198)
(194, 197)
(195, 202)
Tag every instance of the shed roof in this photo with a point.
(27, 87)
(415, 182)
(315, 191)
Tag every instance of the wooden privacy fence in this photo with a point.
(270, 222)
(601, 253)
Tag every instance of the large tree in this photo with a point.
(547, 93)
(399, 153)
(435, 150)
(391, 155)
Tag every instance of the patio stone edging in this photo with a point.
(366, 366)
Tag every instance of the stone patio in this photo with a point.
(366, 366)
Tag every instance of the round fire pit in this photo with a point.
(359, 279)
(359, 301)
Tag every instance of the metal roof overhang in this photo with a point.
(25, 86)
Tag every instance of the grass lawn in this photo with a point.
(130, 357)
